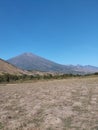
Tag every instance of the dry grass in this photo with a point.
(5, 67)
(70, 104)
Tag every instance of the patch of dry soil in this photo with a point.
(70, 104)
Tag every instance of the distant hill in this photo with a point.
(6, 67)
(29, 61)
(86, 68)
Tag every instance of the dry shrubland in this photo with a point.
(68, 104)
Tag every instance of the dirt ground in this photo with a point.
(69, 104)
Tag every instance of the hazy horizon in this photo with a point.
(62, 31)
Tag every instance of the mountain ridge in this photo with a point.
(30, 61)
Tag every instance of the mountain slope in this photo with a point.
(5, 67)
(29, 61)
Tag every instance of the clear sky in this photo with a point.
(64, 31)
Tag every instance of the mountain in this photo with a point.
(29, 61)
(6, 67)
(86, 68)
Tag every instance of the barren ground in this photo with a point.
(69, 104)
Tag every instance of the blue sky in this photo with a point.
(64, 31)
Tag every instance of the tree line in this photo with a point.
(12, 78)
(6, 78)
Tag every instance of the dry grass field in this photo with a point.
(69, 104)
